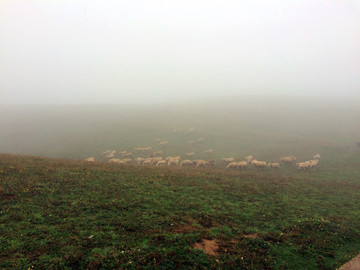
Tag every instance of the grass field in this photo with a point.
(58, 214)
(71, 214)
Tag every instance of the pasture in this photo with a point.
(67, 213)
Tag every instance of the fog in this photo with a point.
(91, 52)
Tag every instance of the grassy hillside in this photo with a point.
(62, 214)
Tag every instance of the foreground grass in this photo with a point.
(61, 214)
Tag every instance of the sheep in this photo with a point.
(128, 154)
(163, 143)
(161, 163)
(115, 160)
(313, 162)
(190, 130)
(147, 162)
(171, 157)
(143, 149)
(201, 163)
(109, 153)
(317, 156)
(249, 158)
(259, 164)
(126, 160)
(227, 160)
(173, 161)
(90, 159)
(288, 160)
(210, 163)
(303, 165)
(156, 154)
(140, 160)
(242, 164)
(239, 164)
(274, 165)
(232, 165)
(209, 152)
(189, 154)
(187, 163)
(155, 160)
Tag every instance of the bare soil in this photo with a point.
(353, 264)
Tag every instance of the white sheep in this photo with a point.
(274, 165)
(313, 162)
(173, 161)
(140, 160)
(259, 164)
(161, 163)
(227, 160)
(209, 152)
(288, 160)
(249, 158)
(90, 159)
(189, 154)
(303, 165)
(201, 163)
(210, 163)
(187, 163)
(317, 156)
(239, 164)
(163, 143)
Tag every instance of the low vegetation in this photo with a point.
(63, 214)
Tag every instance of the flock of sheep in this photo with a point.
(156, 159)
(147, 157)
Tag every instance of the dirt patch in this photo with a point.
(185, 228)
(252, 236)
(353, 264)
(209, 247)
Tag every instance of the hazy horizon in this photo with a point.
(93, 52)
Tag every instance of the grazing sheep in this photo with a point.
(147, 162)
(90, 159)
(232, 165)
(163, 143)
(209, 152)
(190, 130)
(249, 158)
(189, 154)
(156, 154)
(288, 160)
(317, 156)
(313, 162)
(303, 165)
(140, 160)
(242, 164)
(128, 154)
(143, 149)
(173, 161)
(201, 163)
(274, 165)
(259, 164)
(115, 160)
(155, 160)
(161, 163)
(210, 163)
(239, 164)
(127, 160)
(187, 163)
(227, 160)
(123, 153)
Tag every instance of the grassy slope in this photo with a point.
(72, 214)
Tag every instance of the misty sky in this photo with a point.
(75, 51)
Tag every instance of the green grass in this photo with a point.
(63, 214)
